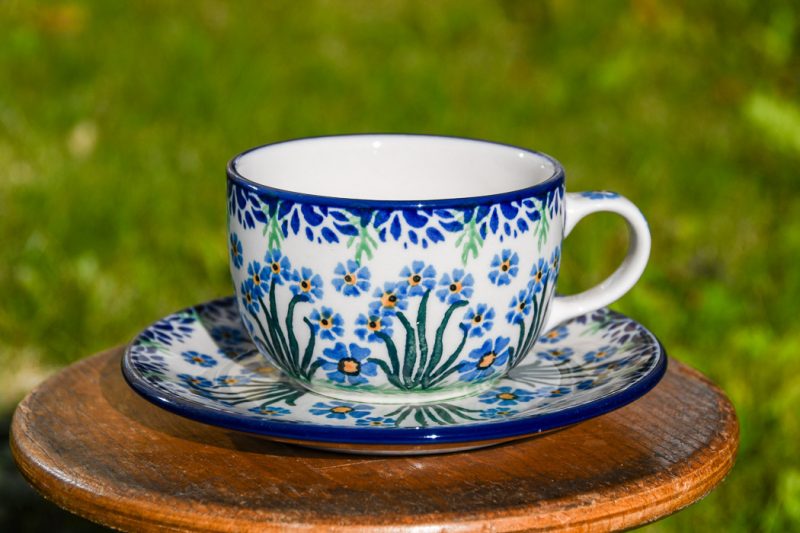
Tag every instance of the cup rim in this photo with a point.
(550, 183)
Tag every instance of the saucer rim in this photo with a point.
(457, 433)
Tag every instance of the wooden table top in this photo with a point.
(87, 442)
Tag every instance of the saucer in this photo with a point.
(200, 363)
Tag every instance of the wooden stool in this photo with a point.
(87, 442)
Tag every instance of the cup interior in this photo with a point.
(394, 167)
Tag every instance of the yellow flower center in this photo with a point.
(374, 325)
(326, 323)
(487, 360)
(305, 285)
(276, 267)
(256, 279)
(341, 409)
(505, 265)
(414, 279)
(507, 396)
(389, 299)
(350, 367)
(376, 423)
(350, 279)
(455, 287)
(538, 276)
(552, 334)
(231, 381)
(477, 319)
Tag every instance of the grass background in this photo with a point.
(116, 121)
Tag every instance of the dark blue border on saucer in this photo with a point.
(554, 181)
(472, 433)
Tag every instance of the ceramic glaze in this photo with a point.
(406, 268)
(201, 363)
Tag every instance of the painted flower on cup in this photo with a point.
(351, 279)
(555, 335)
(376, 421)
(327, 324)
(250, 297)
(197, 358)
(504, 267)
(556, 354)
(229, 380)
(506, 396)
(236, 251)
(556, 392)
(519, 307)
(455, 286)
(305, 282)
(278, 266)
(390, 297)
(539, 275)
(555, 262)
(484, 361)
(191, 381)
(601, 354)
(269, 410)
(417, 279)
(348, 364)
(259, 276)
(340, 410)
(368, 326)
(479, 320)
(498, 412)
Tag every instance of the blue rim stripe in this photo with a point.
(553, 182)
(472, 433)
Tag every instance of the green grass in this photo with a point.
(116, 121)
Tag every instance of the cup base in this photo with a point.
(399, 398)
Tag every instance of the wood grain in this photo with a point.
(91, 445)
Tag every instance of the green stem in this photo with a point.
(294, 350)
(422, 317)
(450, 360)
(410, 357)
(436, 355)
(391, 377)
(312, 340)
(273, 307)
(392, 349)
(271, 323)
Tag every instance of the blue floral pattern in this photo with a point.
(348, 364)
(485, 361)
(479, 320)
(504, 267)
(455, 286)
(351, 279)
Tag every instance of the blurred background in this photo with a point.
(117, 120)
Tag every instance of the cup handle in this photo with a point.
(578, 205)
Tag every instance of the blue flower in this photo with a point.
(278, 266)
(376, 421)
(390, 298)
(259, 275)
(599, 195)
(479, 320)
(417, 279)
(371, 324)
(326, 323)
(555, 335)
(600, 354)
(348, 364)
(227, 380)
(539, 274)
(351, 279)
(484, 361)
(455, 287)
(307, 283)
(197, 358)
(498, 412)
(269, 410)
(340, 410)
(236, 251)
(505, 267)
(555, 263)
(555, 392)
(585, 384)
(519, 307)
(172, 328)
(190, 381)
(227, 335)
(250, 297)
(506, 396)
(556, 354)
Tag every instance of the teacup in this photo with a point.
(407, 268)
